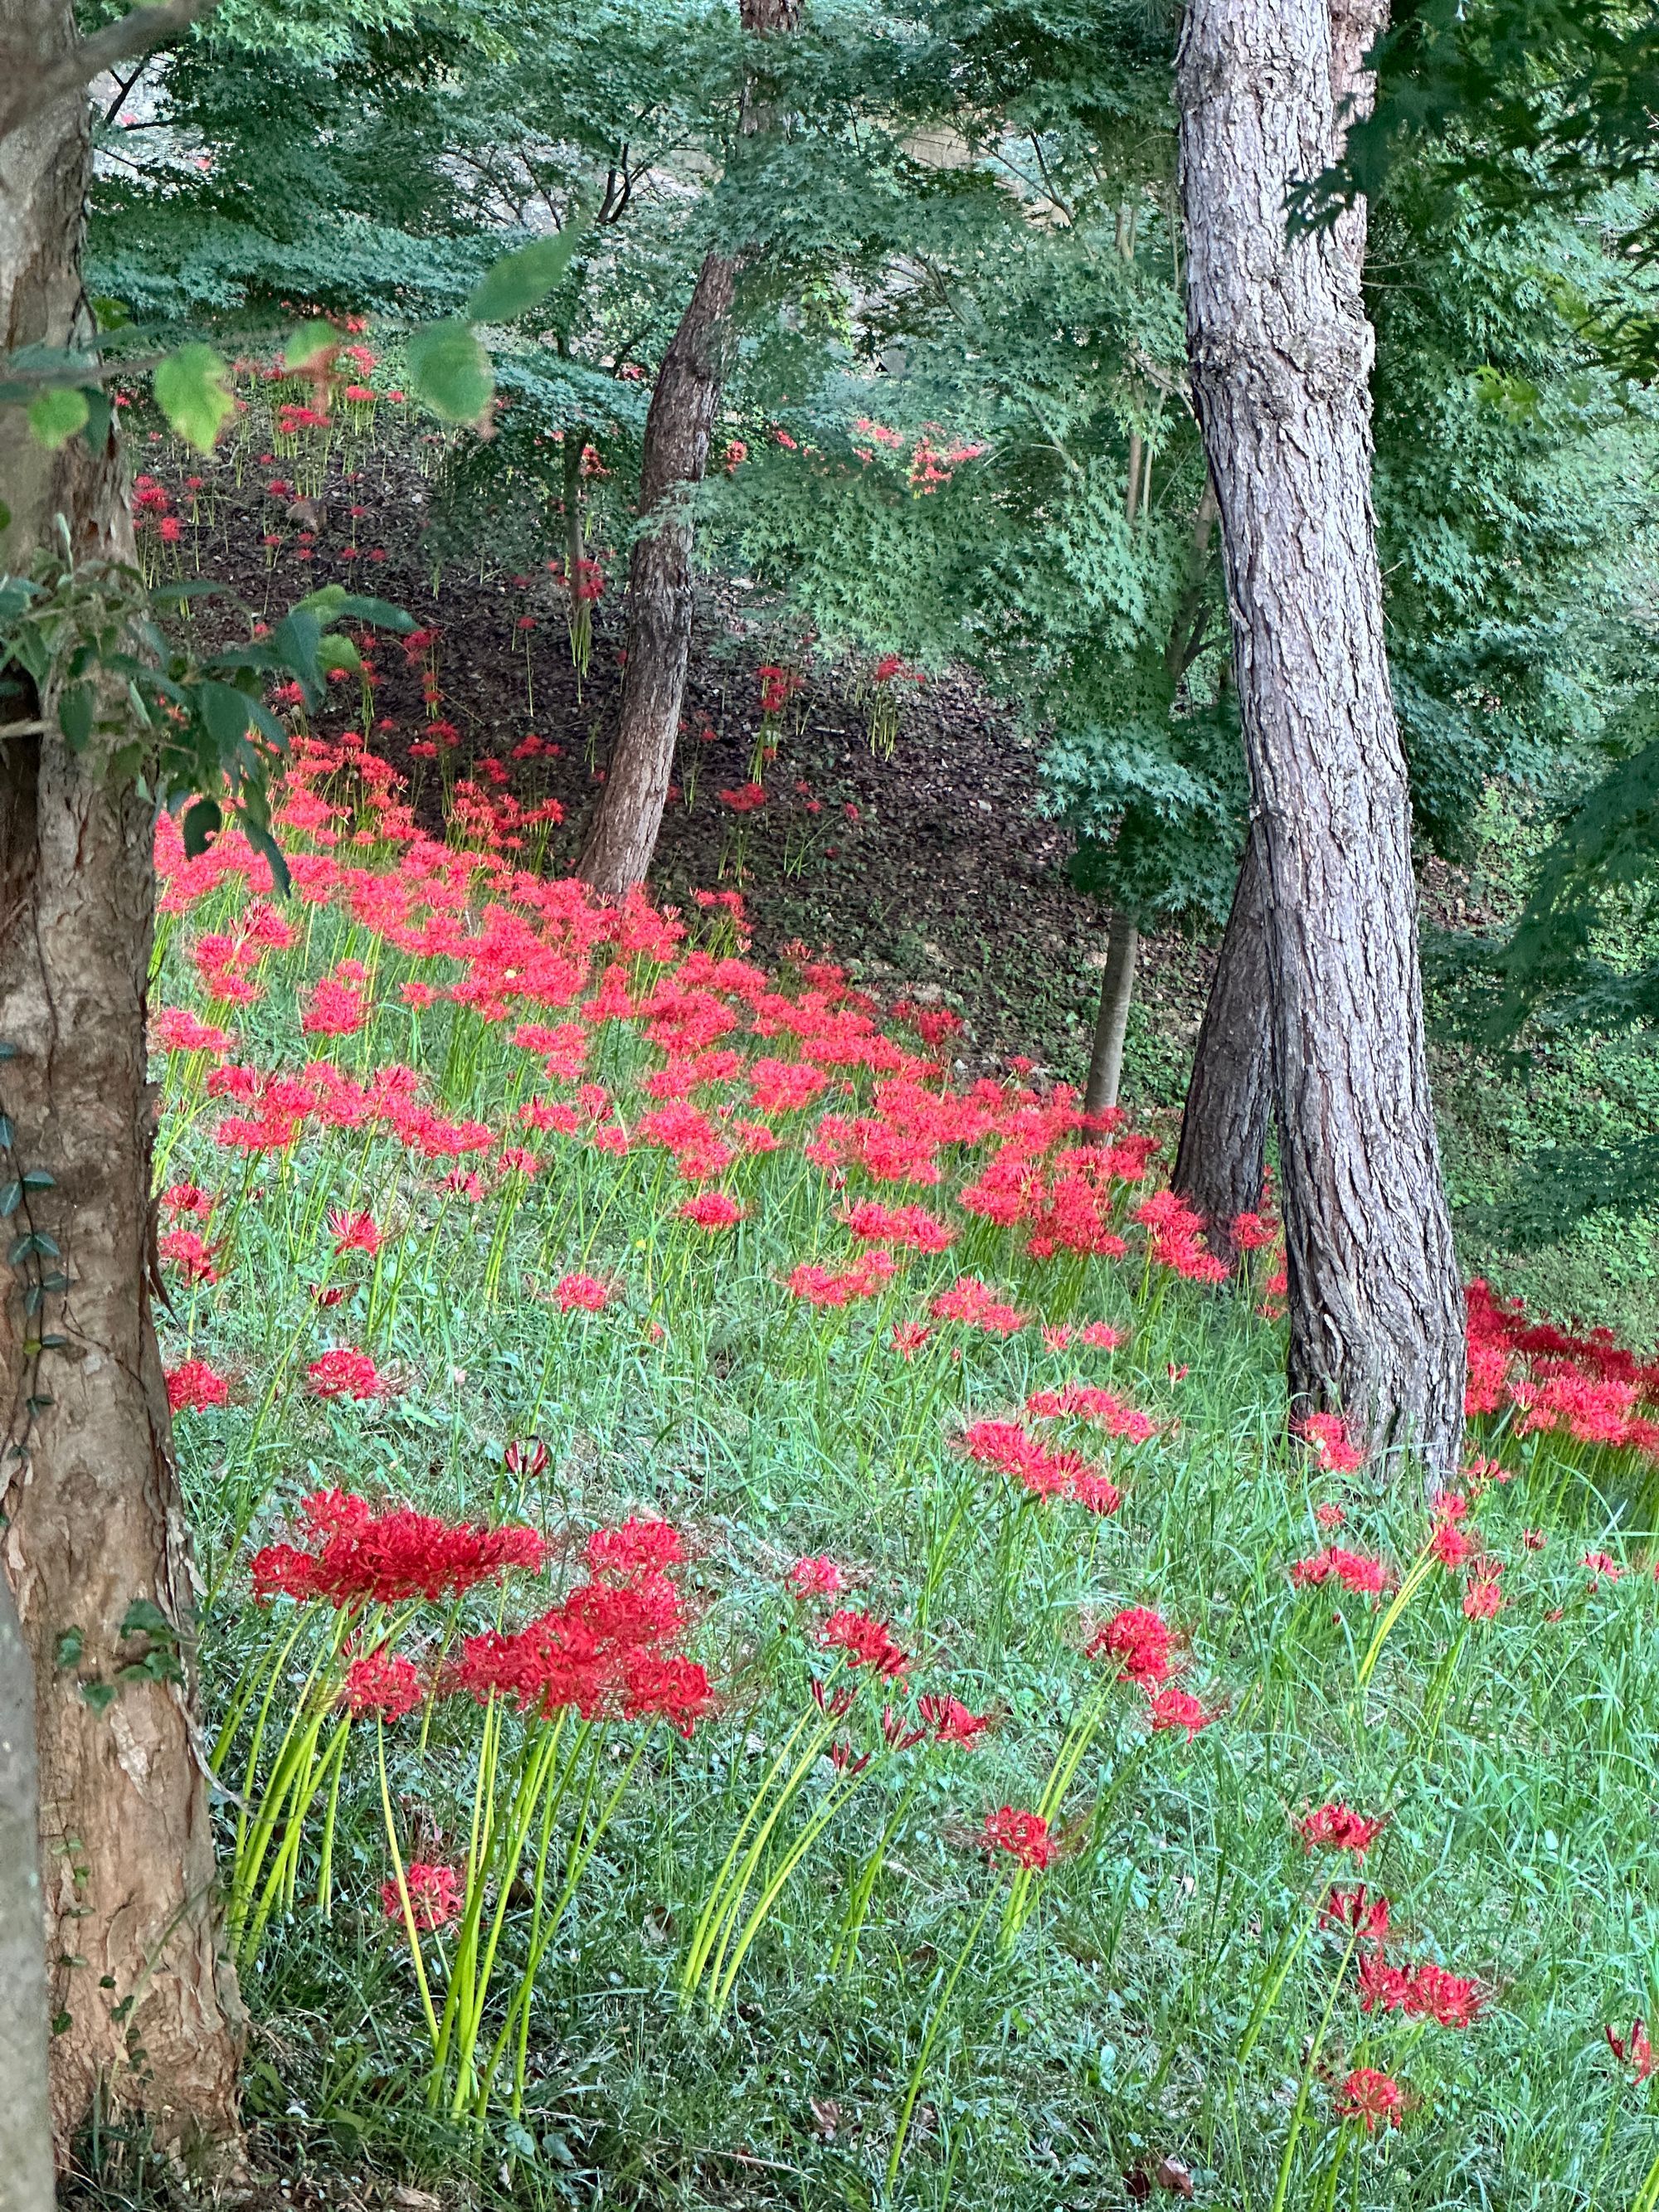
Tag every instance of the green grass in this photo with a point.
(1159, 1999)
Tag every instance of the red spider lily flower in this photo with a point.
(637, 1548)
(838, 1703)
(823, 1287)
(584, 1293)
(1634, 2050)
(359, 1556)
(1080, 1401)
(382, 1684)
(745, 798)
(841, 1758)
(434, 1895)
(326, 1295)
(1336, 1828)
(1375, 2099)
(1024, 1836)
(1359, 1910)
(345, 1374)
(674, 1689)
(527, 1459)
(911, 1227)
(1141, 1640)
(1483, 1595)
(909, 1336)
(1252, 1232)
(1330, 1517)
(1421, 1992)
(194, 1259)
(1327, 1436)
(591, 1653)
(192, 1385)
(354, 1232)
(711, 1209)
(188, 1198)
(1351, 1569)
(897, 1734)
(867, 1642)
(1603, 1568)
(815, 1577)
(1453, 1546)
(1533, 1539)
(335, 1008)
(947, 1720)
(1171, 1708)
(175, 1030)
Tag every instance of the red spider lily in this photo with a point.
(359, 1556)
(897, 1733)
(825, 1286)
(910, 1226)
(192, 1385)
(1483, 1595)
(1141, 1640)
(175, 1030)
(186, 1198)
(434, 1895)
(746, 799)
(1375, 2099)
(1330, 1517)
(1252, 1232)
(1353, 1569)
(815, 1577)
(354, 1232)
(194, 1259)
(1326, 1435)
(582, 1293)
(909, 1336)
(866, 1641)
(1080, 1401)
(1603, 1568)
(1453, 1546)
(1171, 1708)
(1336, 1828)
(637, 1548)
(526, 1459)
(1007, 1446)
(971, 1301)
(1422, 1992)
(1359, 1910)
(674, 1689)
(711, 1209)
(838, 1703)
(335, 1008)
(1634, 2050)
(382, 1684)
(947, 1720)
(1024, 1836)
(345, 1374)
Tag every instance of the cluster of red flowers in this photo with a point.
(864, 1641)
(1142, 1643)
(1174, 1233)
(1336, 1827)
(192, 1385)
(1025, 1837)
(1589, 1385)
(830, 1286)
(1014, 1452)
(344, 1373)
(357, 1557)
(434, 1895)
(1080, 1401)
(1353, 1569)
(1421, 1992)
(1374, 2098)
(609, 1649)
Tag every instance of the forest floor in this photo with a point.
(927, 867)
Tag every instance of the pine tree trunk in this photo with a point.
(1281, 356)
(1222, 1159)
(146, 2013)
(25, 2105)
(1117, 989)
(1223, 1154)
(661, 599)
(622, 835)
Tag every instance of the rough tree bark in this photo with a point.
(1221, 1161)
(622, 835)
(25, 2106)
(1280, 352)
(146, 2013)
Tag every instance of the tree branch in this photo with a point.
(36, 83)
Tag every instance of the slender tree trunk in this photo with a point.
(25, 2105)
(1221, 1162)
(1223, 1155)
(1280, 354)
(145, 2013)
(622, 835)
(1117, 988)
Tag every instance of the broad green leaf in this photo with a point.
(224, 712)
(310, 344)
(55, 415)
(509, 288)
(202, 820)
(264, 844)
(450, 371)
(190, 391)
(75, 714)
(111, 314)
(360, 607)
(336, 651)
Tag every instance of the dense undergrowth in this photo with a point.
(555, 1877)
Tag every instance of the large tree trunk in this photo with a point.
(1281, 355)
(622, 835)
(1222, 1158)
(145, 2012)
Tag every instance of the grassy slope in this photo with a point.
(1159, 2000)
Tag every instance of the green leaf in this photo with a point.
(264, 844)
(11, 1197)
(336, 651)
(100, 1696)
(56, 414)
(224, 713)
(69, 1647)
(509, 288)
(190, 391)
(203, 820)
(450, 371)
(310, 344)
(75, 714)
(143, 1617)
(111, 314)
(357, 606)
